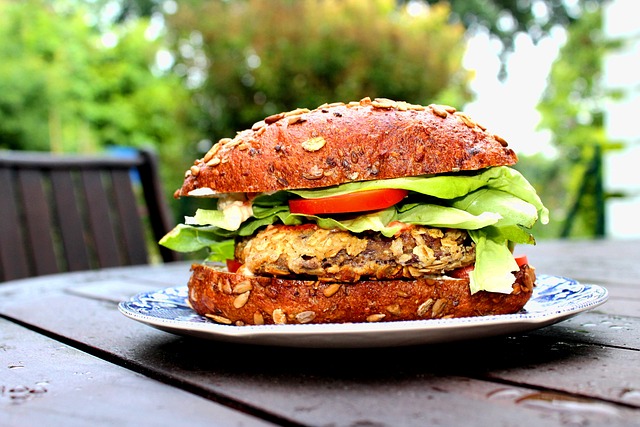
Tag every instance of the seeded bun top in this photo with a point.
(338, 143)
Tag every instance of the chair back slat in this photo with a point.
(99, 215)
(37, 222)
(71, 213)
(160, 218)
(69, 216)
(128, 216)
(13, 257)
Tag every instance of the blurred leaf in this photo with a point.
(573, 109)
(305, 53)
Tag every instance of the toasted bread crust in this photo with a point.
(240, 300)
(340, 143)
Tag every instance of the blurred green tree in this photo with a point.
(572, 108)
(80, 75)
(505, 19)
(247, 59)
(66, 86)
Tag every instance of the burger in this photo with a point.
(368, 211)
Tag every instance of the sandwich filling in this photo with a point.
(334, 255)
(445, 222)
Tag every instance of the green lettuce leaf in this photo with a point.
(494, 262)
(497, 205)
(445, 217)
(511, 209)
(187, 238)
(222, 250)
(446, 187)
(213, 218)
(374, 221)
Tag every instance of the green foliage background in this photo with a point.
(63, 90)
(305, 53)
(83, 76)
(573, 109)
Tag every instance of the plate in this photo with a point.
(554, 299)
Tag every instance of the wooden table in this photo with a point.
(69, 357)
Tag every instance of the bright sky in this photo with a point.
(509, 108)
(621, 71)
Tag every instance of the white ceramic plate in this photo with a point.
(554, 299)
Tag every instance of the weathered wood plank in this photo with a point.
(13, 255)
(98, 206)
(47, 383)
(128, 217)
(412, 387)
(596, 328)
(70, 221)
(37, 223)
(499, 380)
(583, 371)
(608, 262)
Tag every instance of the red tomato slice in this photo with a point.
(463, 272)
(360, 201)
(521, 260)
(233, 265)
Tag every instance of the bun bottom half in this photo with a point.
(234, 299)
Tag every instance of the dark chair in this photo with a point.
(68, 213)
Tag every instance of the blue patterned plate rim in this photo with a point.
(554, 299)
